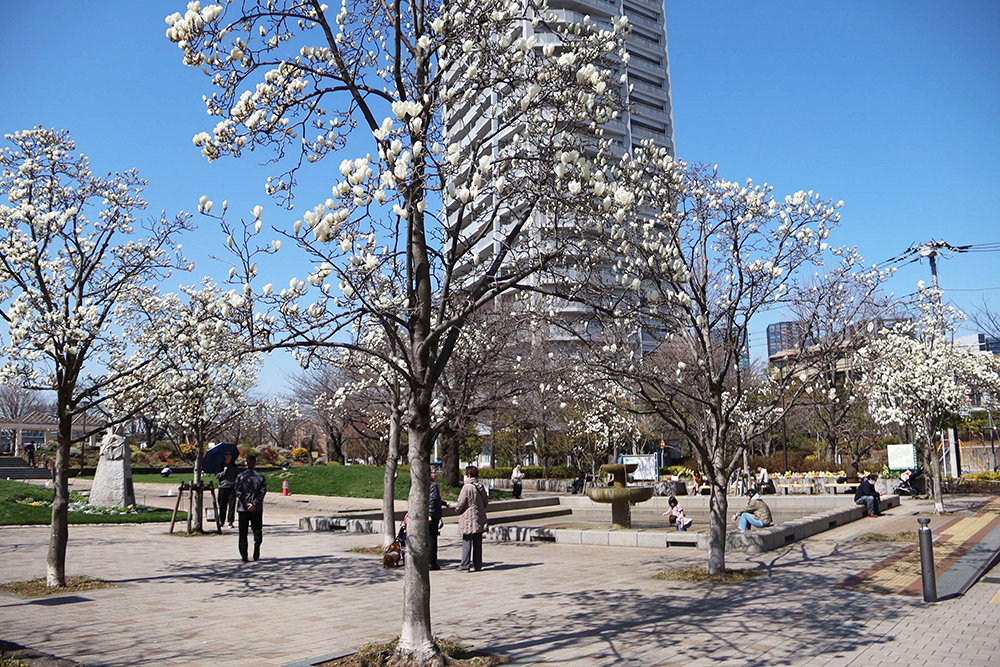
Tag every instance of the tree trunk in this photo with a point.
(450, 457)
(389, 479)
(334, 446)
(198, 509)
(931, 458)
(416, 641)
(718, 505)
(59, 532)
(545, 454)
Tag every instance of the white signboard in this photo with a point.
(647, 470)
(902, 457)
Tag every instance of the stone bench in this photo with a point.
(758, 540)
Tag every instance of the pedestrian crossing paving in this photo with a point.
(900, 573)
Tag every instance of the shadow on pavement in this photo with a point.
(682, 621)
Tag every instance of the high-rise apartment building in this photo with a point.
(783, 336)
(649, 115)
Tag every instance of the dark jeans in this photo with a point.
(871, 504)
(255, 521)
(432, 544)
(517, 489)
(31, 458)
(472, 545)
(227, 505)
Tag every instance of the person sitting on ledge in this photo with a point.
(757, 513)
(867, 495)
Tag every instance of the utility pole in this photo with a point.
(930, 251)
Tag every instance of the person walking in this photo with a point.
(471, 508)
(250, 490)
(227, 491)
(30, 450)
(515, 479)
(434, 518)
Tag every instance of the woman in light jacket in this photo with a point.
(471, 508)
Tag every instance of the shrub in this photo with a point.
(268, 456)
(776, 463)
(334, 463)
(300, 454)
(980, 476)
(679, 471)
(530, 472)
(162, 446)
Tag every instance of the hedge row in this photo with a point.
(530, 472)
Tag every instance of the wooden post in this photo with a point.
(215, 506)
(177, 506)
(190, 504)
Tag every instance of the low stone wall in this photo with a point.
(556, 485)
(758, 540)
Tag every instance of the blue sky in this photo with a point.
(890, 106)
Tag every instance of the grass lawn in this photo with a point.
(14, 513)
(353, 481)
(154, 478)
(345, 481)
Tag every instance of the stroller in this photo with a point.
(395, 554)
(908, 483)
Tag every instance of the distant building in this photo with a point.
(782, 336)
(980, 342)
(649, 116)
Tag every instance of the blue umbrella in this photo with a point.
(215, 457)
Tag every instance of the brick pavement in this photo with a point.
(189, 601)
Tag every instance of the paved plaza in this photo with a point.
(190, 601)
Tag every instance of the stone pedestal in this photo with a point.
(113, 480)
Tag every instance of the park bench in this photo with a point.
(840, 487)
(784, 489)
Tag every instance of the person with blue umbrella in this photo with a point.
(227, 491)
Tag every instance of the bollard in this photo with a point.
(284, 488)
(927, 561)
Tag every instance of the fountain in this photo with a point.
(619, 495)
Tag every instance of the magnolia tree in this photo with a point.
(841, 316)
(682, 291)
(377, 386)
(319, 389)
(203, 376)
(484, 375)
(605, 418)
(414, 202)
(71, 257)
(916, 375)
(281, 419)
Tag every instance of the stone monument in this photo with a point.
(113, 481)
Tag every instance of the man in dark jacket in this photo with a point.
(250, 490)
(434, 516)
(867, 495)
(227, 491)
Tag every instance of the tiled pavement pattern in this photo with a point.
(900, 573)
(189, 601)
